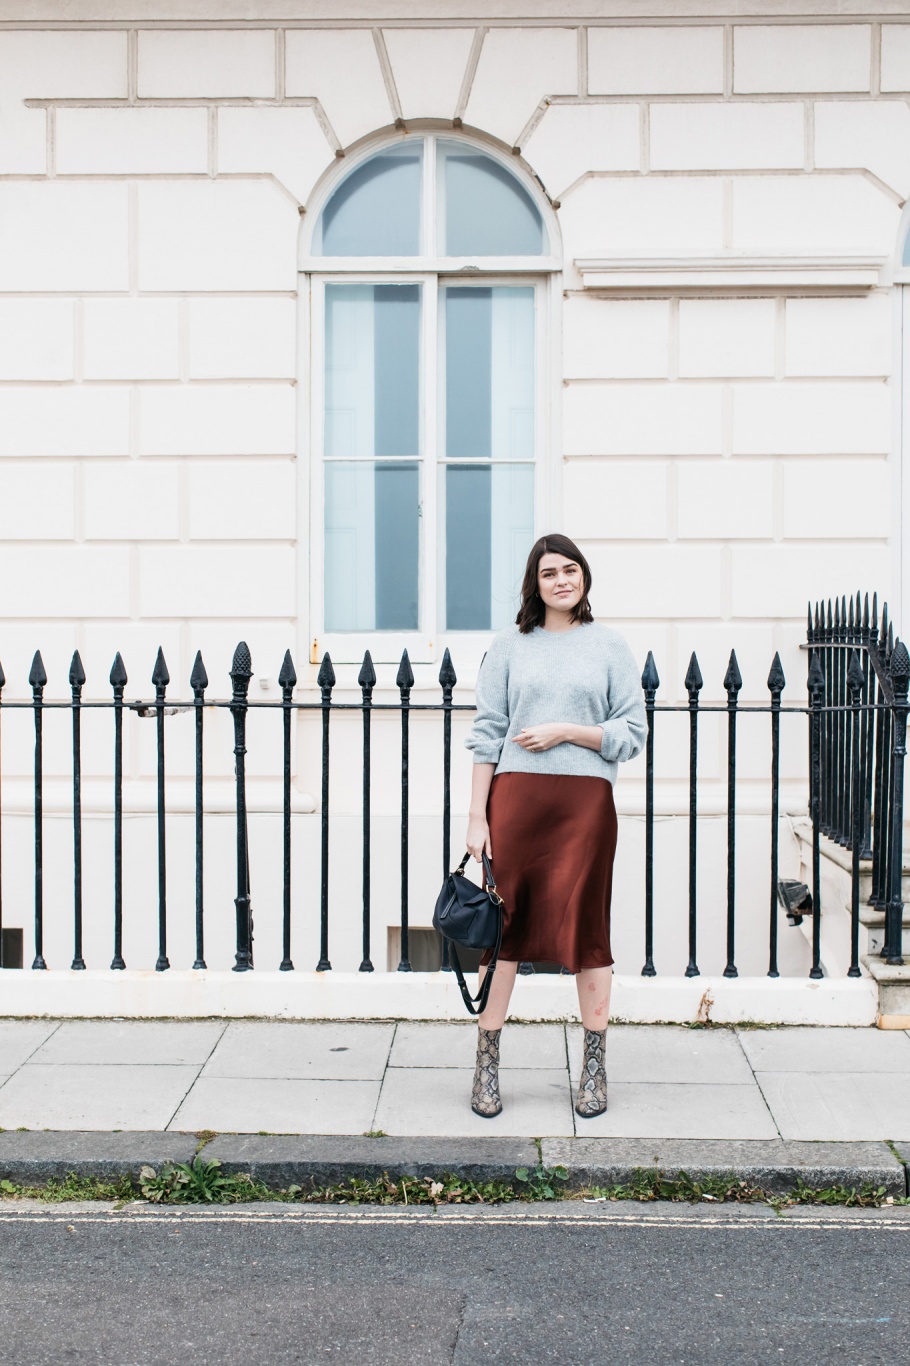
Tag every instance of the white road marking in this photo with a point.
(428, 1218)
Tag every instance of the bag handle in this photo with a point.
(488, 871)
(483, 994)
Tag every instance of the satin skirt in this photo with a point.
(554, 840)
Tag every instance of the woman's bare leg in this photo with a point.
(594, 996)
(494, 1017)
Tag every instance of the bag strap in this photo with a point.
(483, 995)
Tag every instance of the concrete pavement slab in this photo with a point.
(133, 1042)
(250, 1105)
(667, 1053)
(33, 1158)
(424, 1044)
(844, 1106)
(429, 1100)
(826, 1050)
(680, 1110)
(771, 1164)
(19, 1040)
(90, 1096)
(316, 1052)
(281, 1160)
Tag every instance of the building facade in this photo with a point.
(313, 316)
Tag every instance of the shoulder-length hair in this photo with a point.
(532, 611)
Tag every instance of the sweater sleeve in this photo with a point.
(625, 729)
(492, 695)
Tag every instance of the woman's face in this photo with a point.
(560, 582)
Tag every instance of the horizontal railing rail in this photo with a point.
(856, 718)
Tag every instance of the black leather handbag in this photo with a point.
(471, 916)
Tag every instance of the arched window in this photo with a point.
(428, 265)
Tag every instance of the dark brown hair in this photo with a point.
(532, 612)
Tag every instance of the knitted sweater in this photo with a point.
(586, 676)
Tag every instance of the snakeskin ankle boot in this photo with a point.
(592, 1090)
(485, 1099)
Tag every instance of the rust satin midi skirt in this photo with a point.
(554, 839)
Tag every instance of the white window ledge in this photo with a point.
(634, 276)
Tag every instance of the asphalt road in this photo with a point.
(561, 1283)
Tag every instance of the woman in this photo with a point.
(559, 706)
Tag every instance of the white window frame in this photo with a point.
(433, 273)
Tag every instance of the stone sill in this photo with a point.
(752, 274)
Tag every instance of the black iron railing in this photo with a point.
(856, 719)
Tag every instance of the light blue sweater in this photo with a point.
(586, 676)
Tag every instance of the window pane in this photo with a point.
(489, 373)
(482, 208)
(372, 370)
(371, 545)
(489, 521)
(376, 210)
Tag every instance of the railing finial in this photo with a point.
(367, 676)
(160, 675)
(650, 681)
(776, 680)
(447, 677)
(37, 675)
(326, 676)
(118, 678)
(287, 674)
(77, 672)
(733, 679)
(693, 680)
(405, 676)
(199, 679)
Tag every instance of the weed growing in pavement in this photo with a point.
(538, 1182)
(196, 1183)
(72, 1187)
(201, 1182)
(651, 1184)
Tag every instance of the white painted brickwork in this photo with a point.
(722, 455)
(656, 61)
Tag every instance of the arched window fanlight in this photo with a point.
(481, 207)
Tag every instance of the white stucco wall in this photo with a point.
(723, 452)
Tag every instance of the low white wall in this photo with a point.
(424, 996)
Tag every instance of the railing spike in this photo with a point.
(890, 648)
(447, 676)
(405, 676)
(851, 613)
(2, 678)
(866, 615)
(650, 681)
(830, 616)
(77, 672)
(855, 675)
(37, 676)
(326, 676)
(836, 614)
(287, 674)
(199, 679)
(816, 676)
(160, 675)
(118, 678)
(874, 622)
(693, 680)
(883, 639)
(733, 679)
(776, 680)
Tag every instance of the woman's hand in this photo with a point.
(543, 737)
(478, 837)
